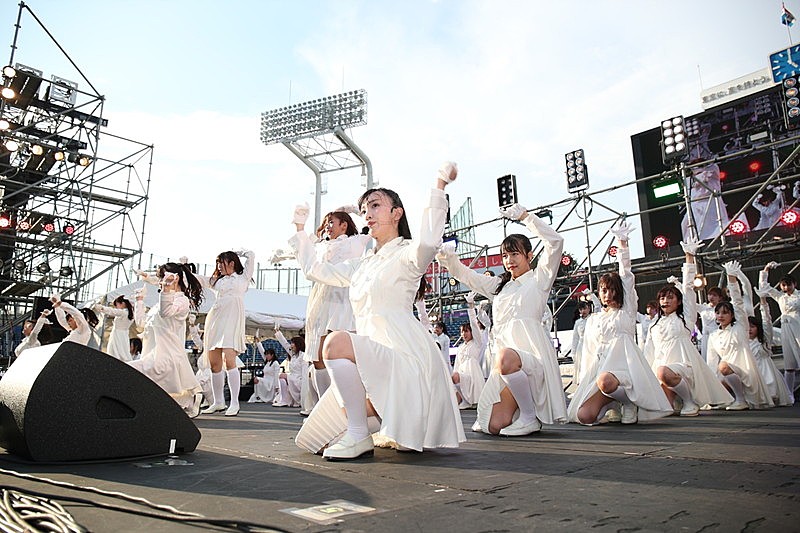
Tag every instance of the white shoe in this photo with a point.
(464, 405)
(612, 415)
(690, 409)
(519, 428)
(630, 414)
(348, 448)
(213, 409)
(194, 409)
(737, 406)
(233, 410)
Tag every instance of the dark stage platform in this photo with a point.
(722, 471)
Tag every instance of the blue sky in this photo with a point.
(498, 86)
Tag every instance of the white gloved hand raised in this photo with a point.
(139, 293)
(514, 212)
(277, 325)
(763, 291)
(771, 265)
(622, 231)
(192, 319)
(691, 245)
(586, 292)
(732, 268)
(447, 172)
(673, 280)
(301, 213)
(55, 298)
(470, 297)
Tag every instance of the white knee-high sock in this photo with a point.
(620, 395)
(682, 389)
(234, 384)
(736, 385)
(321, 380)
(345, 377)
(789, 378)
(218, 387)
(520, 388)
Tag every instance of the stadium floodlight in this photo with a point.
(577, 172)
(674, 145)
(507, 190)
(307, 119)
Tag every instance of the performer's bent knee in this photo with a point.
(338, 346)
(508, 361)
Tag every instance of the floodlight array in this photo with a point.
(577, 172)
(345, 110)
(673, 139)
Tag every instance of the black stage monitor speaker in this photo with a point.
(66, 402)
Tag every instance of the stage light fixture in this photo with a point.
(577, 171)
(24, 225)
(84, 160)
(674, 145)
(49, 226)
(9, 71)
(789, 217)
(660, 242)
(37, 149)
(4, 124)
(791, 102)
(19, 265)
(8, 93)
(666, 187)
(11, 145)
(65, 271)
(738, 227)
(453, 282)
(43, 268)
(59, 156)
(566, 260)
(699, 281)
(507, 190)
(5, 220)
(612, 251)
(68, 229)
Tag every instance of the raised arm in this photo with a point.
(473, 320)
(80, 320)
(733, 269)
(763, 282)
(424, 248)
(479, 283)
(766, 321)
(550, 259)
(283, 342)
(747, 292)
(110, 311)
(250, 265)
(630, 302)
(424, 319)
(689, 273)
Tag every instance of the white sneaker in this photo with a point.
(630, 414)
(233, 410)
(613, 415)
(347, 448)
(737, 406)
(690, 409)
(520, 428)
(213, 409)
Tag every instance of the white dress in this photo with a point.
(328, 307)
(708, 317)
(773, 380)
(401, 368)
(267, 387)
(790, 322)
(443, 342)
(164, 357)
(610, 346)
(731, 344)
(468, 363)
(517, 324)
(224, 326)
(32, 340)
(290, 388)
(81, 334)
(646, 321)
(576, 352)
(119, 344)
(669, 344)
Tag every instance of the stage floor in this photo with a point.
(721, 471)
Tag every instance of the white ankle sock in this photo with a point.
(321, 380)
(520, 388)
(218, 387)
(345, 377)
(620, 395)
(682, 389)
(234, 384)
(736, 385)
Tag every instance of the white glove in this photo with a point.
(183, 260)
(673, 280)
(446, 249)
(139, 293)
(351, 209)
(169, 277)
(622, 231)
(192, 319)
(586, 292)
(762, 292)
(771, 265)
(470, 297)
(514, 212)
(301, 213)
(46, 312)
(732, 268)
(258, 334)
(691, 245)
(55, 298)
(447, 172)
(277, 325)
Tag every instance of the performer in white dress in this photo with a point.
(789, 302)
(670, 351)
(616, 370)
(584, 309)
(390, 371)
(224, 325)
(119, 338)
(77, 323)
(708, 318)
(438, 331)
(646, 320)
(710, 216)
(164, 357)
(298, 391)
(265, 387)
(761, 338)
(769, 205)
(730, 345)
(467, 372)
(524, 389)
(34, 333)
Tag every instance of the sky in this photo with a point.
(500, 87)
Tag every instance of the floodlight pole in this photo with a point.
(347, 141)
(318, 182)
(584, 199)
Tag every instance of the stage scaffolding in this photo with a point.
(591, 216)
(75, 194)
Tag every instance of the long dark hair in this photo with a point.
(402, 225)
(270, 351)
(191, 287)
(225, 257)
(671, 289)
(90, 316)
(45, 335)
(128, 305)
(755, 321)
(299, 343)
(516, 242)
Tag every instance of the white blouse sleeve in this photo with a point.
(139, 313)
(80, 320)
(338, 274)
(111, 311)
(550, 259)
(283, 342)
(173, 305)
(630, 302)
(484, 285)
(689, 301)
(473, 324)
(250, 265)
(423, 249)
(766, 322)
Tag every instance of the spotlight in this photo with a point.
(4, 124)
(84, 160)
(8, 93)
(5, 220)
(11, 145)
(738, 227)
(65, 271)
(9, 71)
(59, 156)
(699, 281)
(37, 149)
(49, 226)
(673, 140)
(68, 229)
(660, 242)
(19, 265)
(577, 173)
(791, 102)
(453, 282)
(566, 260)
(43, 268)
(612, 251)
(24, 225)
(789, 217)
(507, 190)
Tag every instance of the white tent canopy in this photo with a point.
(262, 308)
